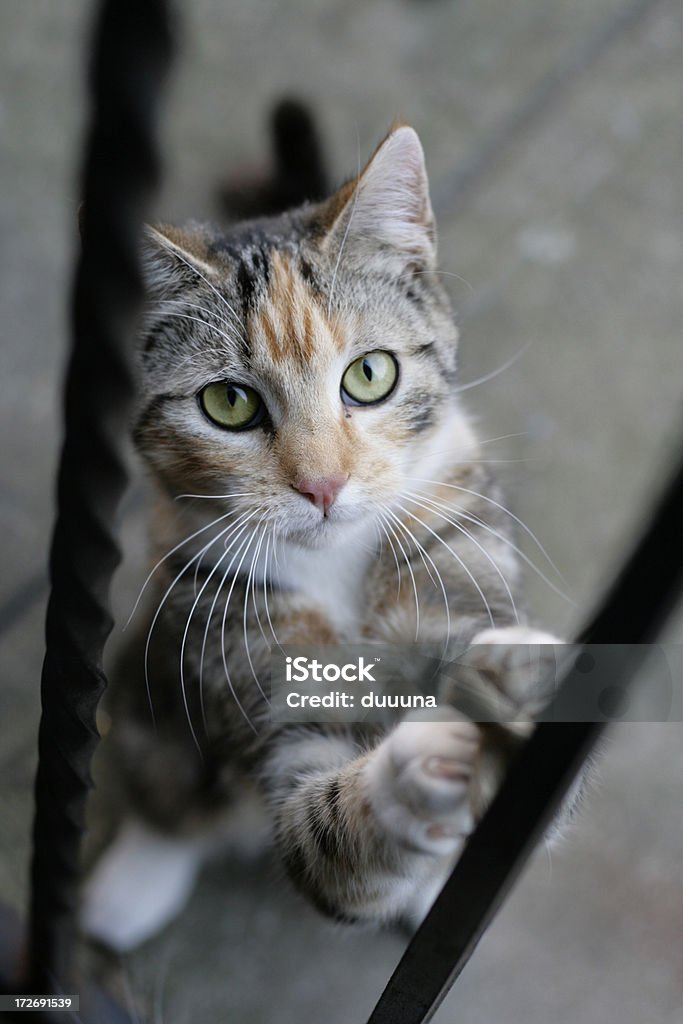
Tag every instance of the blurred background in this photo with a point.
(554, 141)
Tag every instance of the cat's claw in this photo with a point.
(418, 782)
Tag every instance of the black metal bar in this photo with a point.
(132, 47)
(649, 583)
(637, 605)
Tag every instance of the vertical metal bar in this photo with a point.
(132, 46)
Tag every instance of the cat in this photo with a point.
(318, 481)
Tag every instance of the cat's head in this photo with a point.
(303, 365)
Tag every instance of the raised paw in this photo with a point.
(514, 669)
(419, 781)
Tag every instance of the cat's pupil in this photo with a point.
(367, 369)
(232, 396)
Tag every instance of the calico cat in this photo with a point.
(317, 482)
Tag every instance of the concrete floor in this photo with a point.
(555, 144)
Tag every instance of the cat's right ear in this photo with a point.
(172, 259)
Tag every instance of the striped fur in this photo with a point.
(417, 546)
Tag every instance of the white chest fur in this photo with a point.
(333, 578)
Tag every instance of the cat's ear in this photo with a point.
(171, 258)
(385, 215)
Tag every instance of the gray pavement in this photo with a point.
(554, 139)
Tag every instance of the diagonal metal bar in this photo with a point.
(636, 608)
(132, 46)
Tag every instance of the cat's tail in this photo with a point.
(298, 173)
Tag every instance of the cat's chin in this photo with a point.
(327, 533)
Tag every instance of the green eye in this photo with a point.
(370, 379)
(233, 406)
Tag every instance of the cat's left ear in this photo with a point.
(385, 215)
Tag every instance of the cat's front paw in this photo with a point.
(418, 782)
(517, 665)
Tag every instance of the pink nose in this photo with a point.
(322, 492)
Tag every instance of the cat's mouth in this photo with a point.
(318, 529)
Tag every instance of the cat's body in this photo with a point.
(298, 378)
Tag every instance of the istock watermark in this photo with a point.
(303, 669)
(378, 683)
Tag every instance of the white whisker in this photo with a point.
(264, 537)
(170, 248)
(393, 551)
(410, 570)
(250, 583)
(346, 230)
(199, 320)
(171, 305)
(160, 607)
(496, 504)
(231, 494)
(452, 450)
(502, 437)
(495, 373)
(173, 550)
(458, 560)
(278, 569)
(225, 616)
(473, 540)
(477, 521)
(184, 642)
(243, 526)
(441, 273)
(268, 571)
(424, 554)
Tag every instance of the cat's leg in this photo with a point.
(371, 836)
(177, 812)
(140, 883)
(146, 875)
